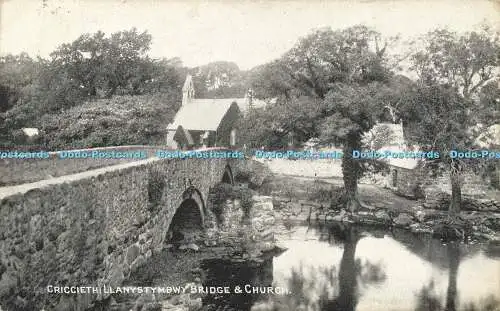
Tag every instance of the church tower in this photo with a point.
(187, 90)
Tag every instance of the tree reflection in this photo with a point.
(329, 289)
(348, 289)
(489, 303)
(231, 273)
(428, 300)
(454, 260)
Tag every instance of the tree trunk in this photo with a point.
(93, 91)
(456, 189)
(495, 176)
(351, 172)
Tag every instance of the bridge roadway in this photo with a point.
(94, 228)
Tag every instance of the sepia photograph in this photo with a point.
(246, 155)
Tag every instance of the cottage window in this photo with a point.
(232, 140)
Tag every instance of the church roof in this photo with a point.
(242, 103)
(202, 114)
(206, 114)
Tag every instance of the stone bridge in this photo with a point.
(94, 228)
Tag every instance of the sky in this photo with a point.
(248, 33)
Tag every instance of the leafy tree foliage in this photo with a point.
(455, 98)
(487, 109)
(331, 85)
(466, 62)
(327, 57)
(219, 80)
(16, 72)
(271, 81)
(92, 67)
(272, 126)
(97, 66)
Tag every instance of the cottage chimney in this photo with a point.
(187, 90)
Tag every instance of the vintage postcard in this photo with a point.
(249, 155)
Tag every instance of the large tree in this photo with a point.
(331, 85)
(219, 79)
(98, 65)
(91, 67)
(16, 73)
(448, 109)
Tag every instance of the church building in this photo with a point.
(206, 122)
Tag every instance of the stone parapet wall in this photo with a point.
(409, 181)
(442, 201)
(19, 171)
(90, 229)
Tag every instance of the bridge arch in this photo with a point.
(189, 217)
(191, 193)
(227, 176)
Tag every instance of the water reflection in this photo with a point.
(428, 300)
(350, 271)
(342, 267)
(232, 273)
(331, 288)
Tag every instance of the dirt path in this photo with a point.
(371, 195)
(380, 197)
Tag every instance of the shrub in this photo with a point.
(254, 173)
(120, 120)
(218, 196)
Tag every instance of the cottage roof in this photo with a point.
(396, 137)
(30, 131)
(202, 114)
(491, 137)
(396, 143)
(408, 163)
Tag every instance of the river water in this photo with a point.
(346, 268)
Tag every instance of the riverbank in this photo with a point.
(299, 198)
(307, 190)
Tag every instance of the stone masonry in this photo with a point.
(92, 228)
